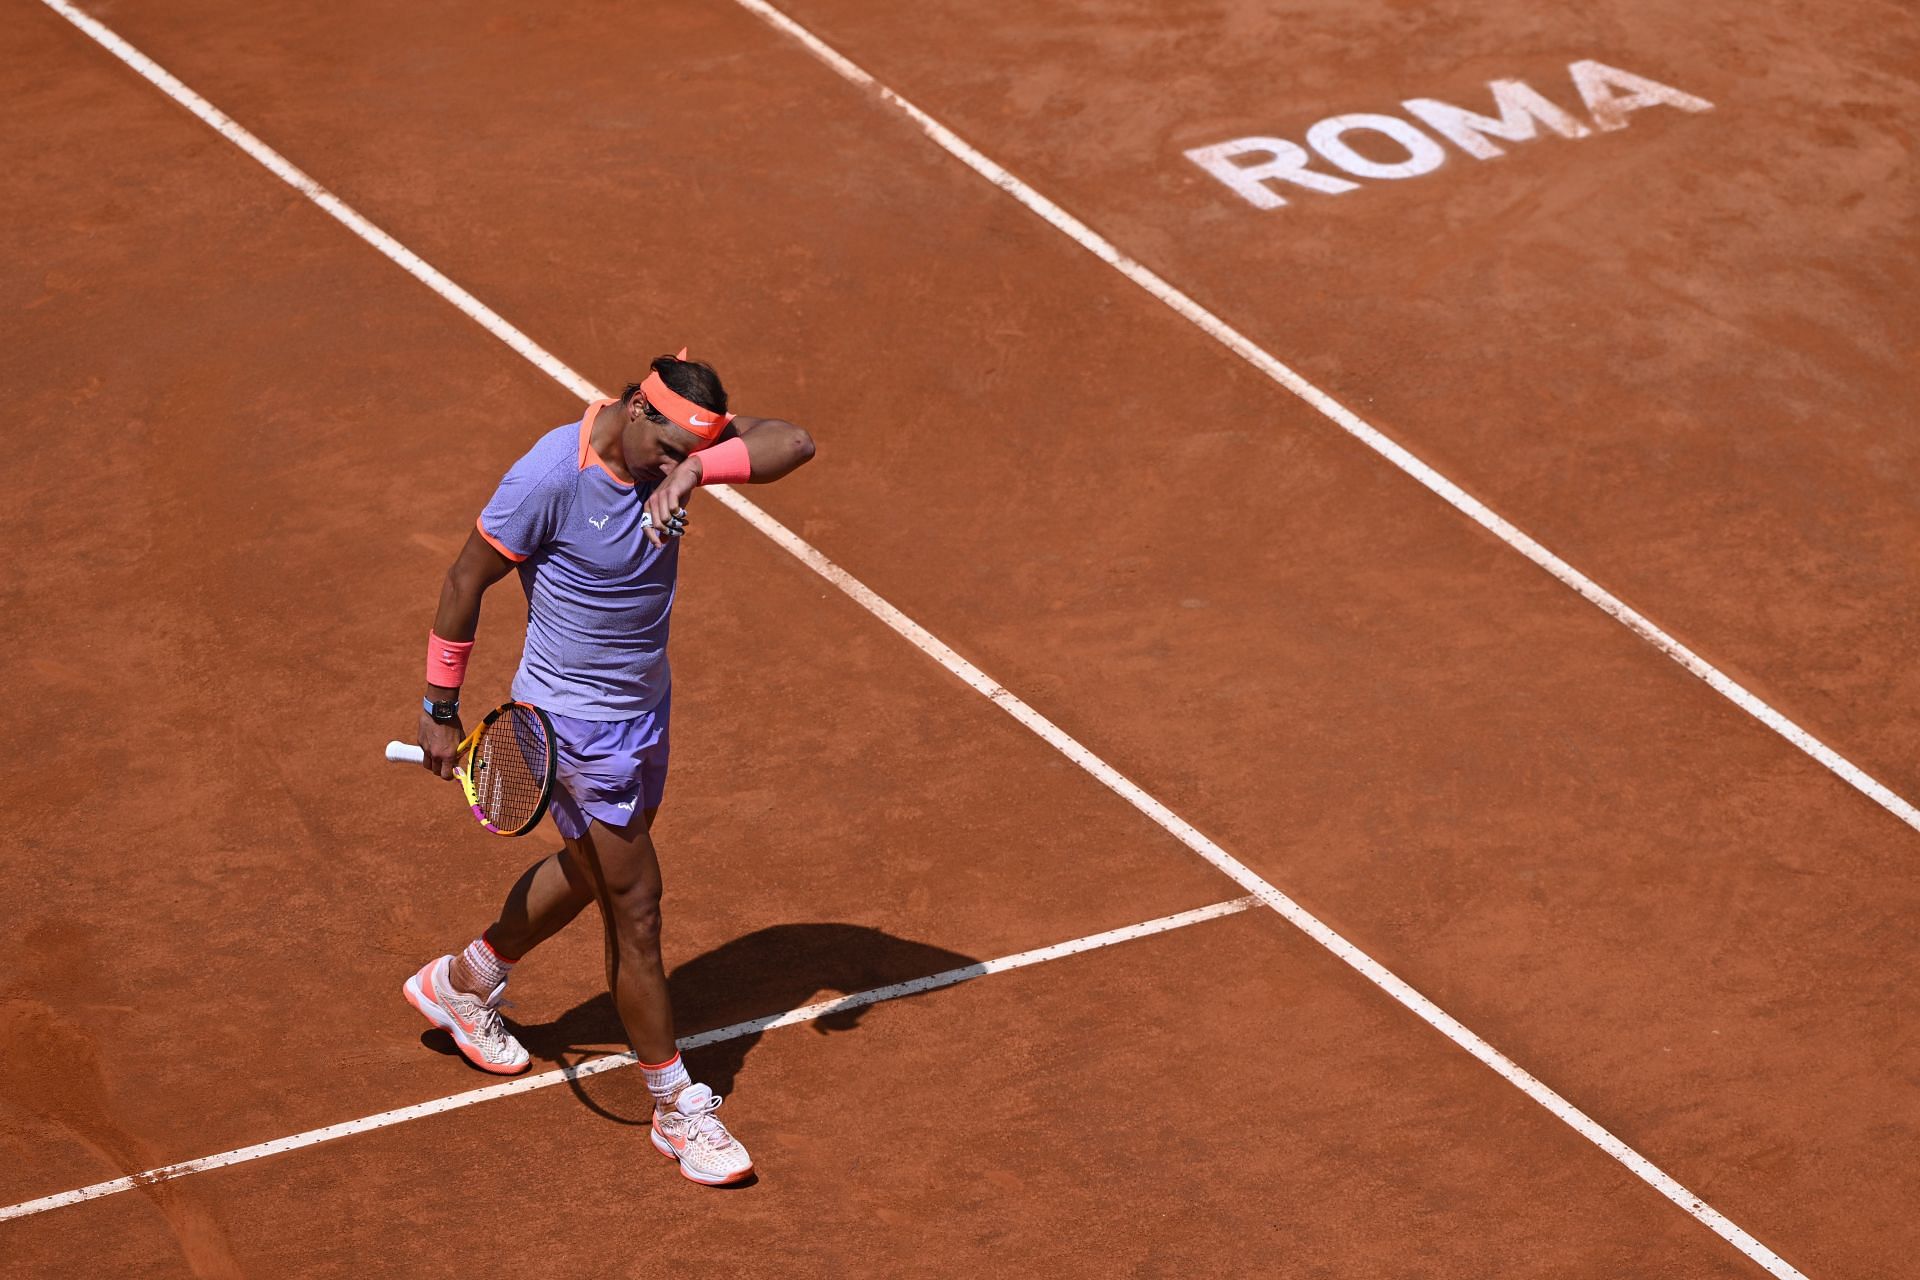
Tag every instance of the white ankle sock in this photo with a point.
(666, 1080)
(485, 964)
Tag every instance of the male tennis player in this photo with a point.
(592, 516)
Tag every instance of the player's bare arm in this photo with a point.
(478, 567)
(775, 449)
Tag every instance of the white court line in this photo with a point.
(1347, 420)
(1006, 700)
(615, 1061)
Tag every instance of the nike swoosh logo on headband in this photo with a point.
(695, 419)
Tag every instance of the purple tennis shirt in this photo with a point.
(599, 595)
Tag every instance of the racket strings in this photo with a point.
(512, 763)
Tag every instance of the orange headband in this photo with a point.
(682, 412)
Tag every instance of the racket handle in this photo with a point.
(405, 753)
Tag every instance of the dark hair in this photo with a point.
(697, 382)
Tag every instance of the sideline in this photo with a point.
(1344, 418)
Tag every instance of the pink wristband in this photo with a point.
(725, 463)
(447, 661)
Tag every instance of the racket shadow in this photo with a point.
(765, 972)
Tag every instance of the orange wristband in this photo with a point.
(447, 661)
(725, 463)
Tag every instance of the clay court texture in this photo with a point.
(1339, 700)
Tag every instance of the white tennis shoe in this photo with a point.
(690, 1134)
(475, 1024)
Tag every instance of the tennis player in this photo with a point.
(592, 517)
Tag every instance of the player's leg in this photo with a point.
(461, 992)
(542, 902)
(622, 869)
(625, 869)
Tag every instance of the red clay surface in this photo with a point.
(250, 893)
(1684, 355)
(1650, 901)
(1329, 1136)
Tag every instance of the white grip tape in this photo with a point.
(405, 753)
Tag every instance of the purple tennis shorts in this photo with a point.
(612, 770)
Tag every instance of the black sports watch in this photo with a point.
(441, 712)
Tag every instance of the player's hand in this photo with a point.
(667, 504)
(440, 741)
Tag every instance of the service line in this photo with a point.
(615, 1061)
(1369, 968)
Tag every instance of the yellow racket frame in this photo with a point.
(471, 783)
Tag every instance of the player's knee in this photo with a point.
(637, 913)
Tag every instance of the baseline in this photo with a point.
(1374, 972)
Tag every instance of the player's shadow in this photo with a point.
(766, 972)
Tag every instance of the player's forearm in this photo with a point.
(775, 448)
(458, 616)
(457, 619)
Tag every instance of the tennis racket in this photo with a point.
(505, 766)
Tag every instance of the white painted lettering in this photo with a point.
(1597, 82)
(1285, 162)
(1252, 166)
(1522, 111)
(1424, 155)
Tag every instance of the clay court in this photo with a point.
(1367, 736)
